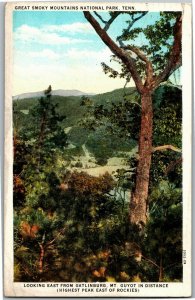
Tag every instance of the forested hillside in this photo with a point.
(74, 172)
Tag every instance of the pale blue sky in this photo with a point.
(62, 49)
(57, 48)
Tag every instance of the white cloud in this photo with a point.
(27, 33)
(72, 55)
(46, 53)
(35, 70)
(91, 58)
(100, 55)
(73, 28)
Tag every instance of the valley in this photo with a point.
(86, 149)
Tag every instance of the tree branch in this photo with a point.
(114, 16)
(108, 69)
(100, 17)
(174, 61)
(143, 57)
(111, 20)
(151, 261)
(120, 38)
(59, 233)
(177, 66)
(172, 165)
(137, 51)
(166, 147)
(128, 61)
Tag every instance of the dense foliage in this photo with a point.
(73, 226)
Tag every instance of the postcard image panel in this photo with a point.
(97, 149)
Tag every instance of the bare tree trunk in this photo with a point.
(138, 203)
(42, 253)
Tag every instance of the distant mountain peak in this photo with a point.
(59, 92)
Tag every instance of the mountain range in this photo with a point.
(100, 143)
(60, 92)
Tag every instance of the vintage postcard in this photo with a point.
(98, 149)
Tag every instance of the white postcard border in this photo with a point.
(148, 290)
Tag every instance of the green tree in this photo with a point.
(38, 223)
(149, 65)
(45, 131)
(162, 244)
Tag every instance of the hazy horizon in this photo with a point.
(60, 89)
